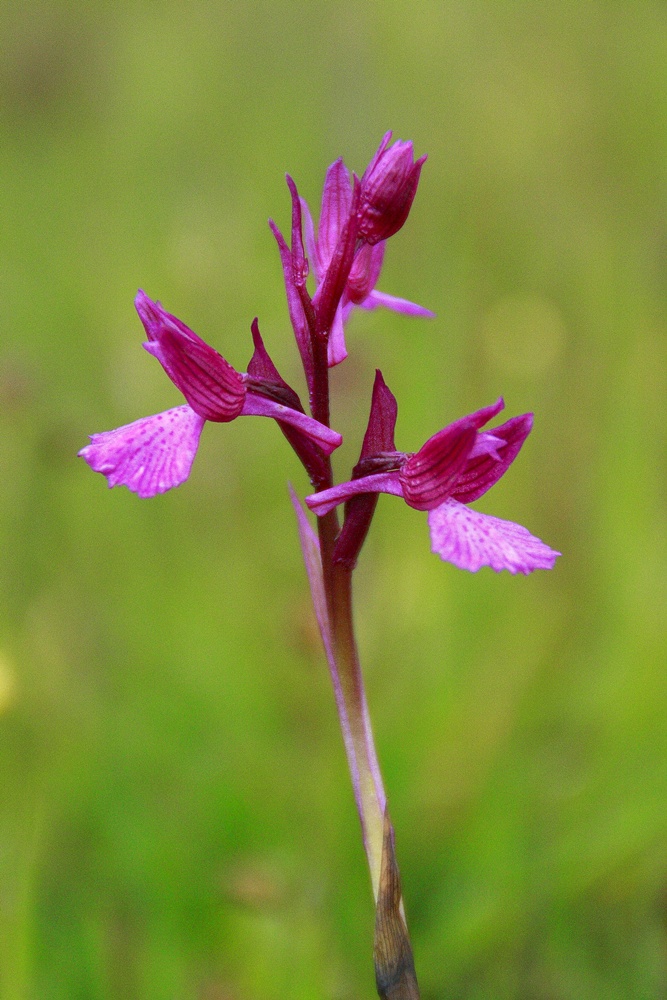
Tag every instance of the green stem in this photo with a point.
(362, 756)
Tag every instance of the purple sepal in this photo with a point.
(429, 476)
(295, 306)
(484, 468)
(259, 406)
(331, 290)
(377, 299)
(211, 386)
(334, 213)
(150, 455)
(379, 482)
(481, 417)
(388, 188)
(471, 540)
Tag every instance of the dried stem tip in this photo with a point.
(395, 975)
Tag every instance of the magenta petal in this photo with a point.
(211, 386)
(392, 302)
(471, 540)
(149, 456)
(336, 202)
(486, 467)
(336, 349)
(428, 477)
(380, 482)
(259, 406)
(156, 319)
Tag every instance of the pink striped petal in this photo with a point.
(376, 299)
(259, 406)
(211, 386)
(471, 540)
(429, 476)
(379, 482)
(149, 456)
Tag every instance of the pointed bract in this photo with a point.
(377, 454)
(379, 436)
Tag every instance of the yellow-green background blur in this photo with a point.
(176, 819)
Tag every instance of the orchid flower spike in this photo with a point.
(155, 454)
(454, 467)
(360, 290)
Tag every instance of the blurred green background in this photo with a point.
(176, 820)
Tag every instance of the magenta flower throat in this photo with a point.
(329, 271)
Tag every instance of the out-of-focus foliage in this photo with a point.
(176, 821)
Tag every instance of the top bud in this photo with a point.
(388, 188)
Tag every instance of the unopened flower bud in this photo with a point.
(388, 188)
